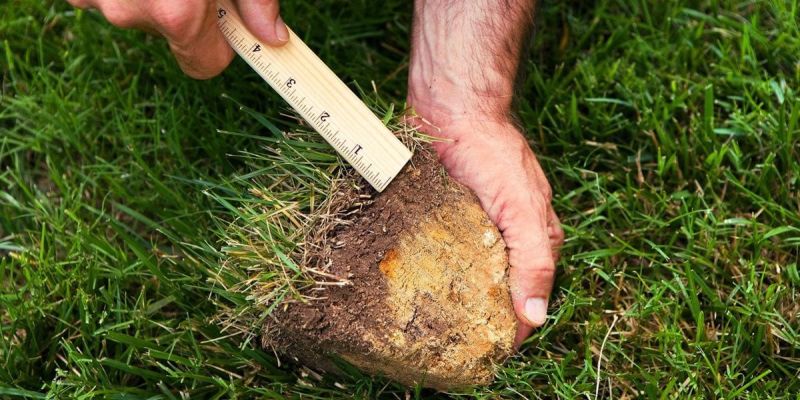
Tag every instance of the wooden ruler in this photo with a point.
(321, 98)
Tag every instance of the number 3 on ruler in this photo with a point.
(355, 132)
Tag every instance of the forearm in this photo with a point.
(465, 56)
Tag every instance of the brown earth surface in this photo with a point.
(427, 300)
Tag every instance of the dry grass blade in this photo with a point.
(275, 246)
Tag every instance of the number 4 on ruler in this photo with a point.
(317, 94)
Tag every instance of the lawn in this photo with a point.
(670, 131)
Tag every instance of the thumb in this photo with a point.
(263, 18)
(525, 230)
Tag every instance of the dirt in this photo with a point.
(427, 299)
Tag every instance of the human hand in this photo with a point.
(492, 158)
(465, 57)
(190, 27)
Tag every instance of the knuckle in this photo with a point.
(541, 200)
(559, 235)
(119, 16)
(542, 267)
(546, 193)
(175, 20)
(524, 280)
(201, 68)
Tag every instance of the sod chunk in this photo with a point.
(421, 295)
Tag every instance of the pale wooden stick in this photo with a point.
(321, 98)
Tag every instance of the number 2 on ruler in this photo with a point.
(291, 82)
(322, 99)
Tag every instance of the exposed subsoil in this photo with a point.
(343, 315)
(426, 298)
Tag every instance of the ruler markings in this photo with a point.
(334, 86)
(353, 113)
(334, 107)
(330, 87)
(339, 86)
(359, 129)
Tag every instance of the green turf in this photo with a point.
(670, 131)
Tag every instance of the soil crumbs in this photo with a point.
(355, 322)
(353, 251)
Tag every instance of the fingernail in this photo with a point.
(281, 31)
(536, 310)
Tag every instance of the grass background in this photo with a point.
(669, 131)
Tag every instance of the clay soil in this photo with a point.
(403, 258)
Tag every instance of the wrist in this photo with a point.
(485, 131)
(444, 93)
(442, 107)
(449, 115)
